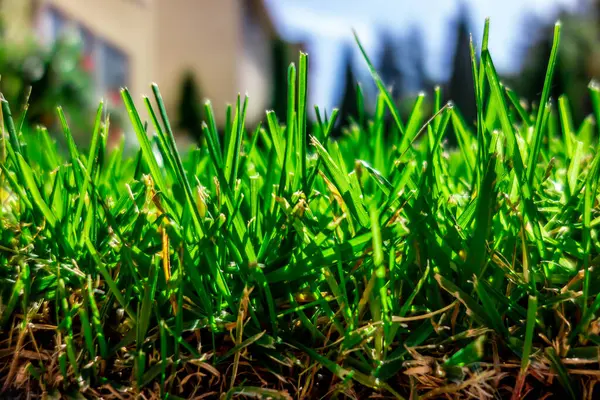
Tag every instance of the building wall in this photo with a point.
(165, 38)
(255, 73)
(199, 36)
(16, 16)
(128, 25)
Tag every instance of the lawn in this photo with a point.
(286, 262)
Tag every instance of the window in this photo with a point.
(113, 71)
(107, 64)
(52, 24)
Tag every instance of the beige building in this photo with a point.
(226, 44)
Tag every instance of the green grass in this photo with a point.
(281, 261)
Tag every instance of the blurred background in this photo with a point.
(75, 52)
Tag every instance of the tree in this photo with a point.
(349, 106)
(190, 108)
(416, 55)
(576, 65)
(389, 70)
(460, 87)
(47, 77)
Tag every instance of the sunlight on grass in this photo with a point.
(281, 261)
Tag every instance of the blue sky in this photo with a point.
(325, 26)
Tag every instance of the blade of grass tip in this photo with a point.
(73, 152)
(230, 136)
(291, 105)
(228, 126)
(381, 86)
(235, 144)
(144, 141)
(437, 105)
(538, 131)
(320, 125)
(376, 141)
(474, 72)
(330, 122)
(10, 127)
(479, 75)
(302, 117)
(482, 66)
(49, 145)
(498, 96)
(566, 122)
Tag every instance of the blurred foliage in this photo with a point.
(578, 61)
(54, 75)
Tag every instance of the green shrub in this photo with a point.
(44, 78)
